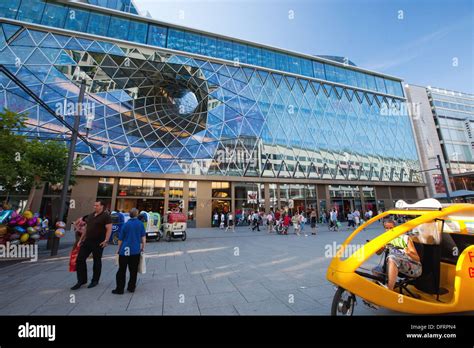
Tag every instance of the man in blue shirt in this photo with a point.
(132, 239)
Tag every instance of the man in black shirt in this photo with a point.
(94, 240)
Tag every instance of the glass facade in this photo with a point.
(82, 20)
(169, 113)
(454, 114)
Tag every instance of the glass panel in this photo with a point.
(77, 20)
(240, 52)
(361, 80)
(9, 9)
(371, 82)
(159, 190)
(221, 189)
(124, 187)
(176, 39)
(379, 81)
(192, 189)
(54, 15)
(119, 28)
(268, 59)
(208, 46)
(157, 35)
(137, 32)
(148, 187)
(31, 11)
(105, 188)
(306, 67)
(319, 71)
(98, 24)
(254, 55)
(224, 49)
(281, 61)
(294, 64)
(192, 42)
(176, 189)
(135, 187)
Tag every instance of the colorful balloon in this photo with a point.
(31, 222)
(19, 229)
(5, 216)
(21, 221)
(35, 236)
(24, 237)
(60, 232)
(27, 214)
(60, 224)
(38, 221)
(3, 230)
(30, 230)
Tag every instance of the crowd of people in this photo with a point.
(283, 219)
(275, 221)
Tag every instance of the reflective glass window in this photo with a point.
(306, 67)
(98, 24)
(31, 11)
(240, 52)
(175, 39)
(159, 189)
(118, 28)
(192, 42)
(254, 55)
(361, 81)
(9, 9)
(77, 19)
(379, 81)
(330, 72)
(294, 64)
(319, 71)
(208, 46)
(281, 61)
(268, 59)
(137, 32)
(157, 35)
(371, 82)
(225, 49)
(54, 15)
(105, 187)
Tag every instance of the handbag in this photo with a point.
(142, 264)
(73, 258)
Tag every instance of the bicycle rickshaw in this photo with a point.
(152, 223)
(444, 240)
(174, 226)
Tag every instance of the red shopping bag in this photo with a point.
(73, 258)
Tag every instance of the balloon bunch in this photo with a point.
(60, 229)
(19, 228)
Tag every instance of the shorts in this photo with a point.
(404, 264)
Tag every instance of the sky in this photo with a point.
(425, 42)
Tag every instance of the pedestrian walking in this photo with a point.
(313, 219)
(295, 220)
(350, 219)
(131, 242)
(333, 220)
(221, 226)
(230, 222)
(94, 240)
(270, 222)
(255, 220)
(215, 221)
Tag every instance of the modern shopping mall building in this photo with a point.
(195, 120)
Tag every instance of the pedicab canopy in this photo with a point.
(176, 217)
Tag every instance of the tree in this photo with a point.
(26, 165)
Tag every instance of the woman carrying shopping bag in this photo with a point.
(132, 240)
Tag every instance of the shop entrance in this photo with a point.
(154, 205)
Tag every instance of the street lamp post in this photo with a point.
(70, 162)
(443, 176)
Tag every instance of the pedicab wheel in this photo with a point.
(158, 237)
(168, 236)
(183, 237)
(343, 302)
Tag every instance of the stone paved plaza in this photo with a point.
(212, 273)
